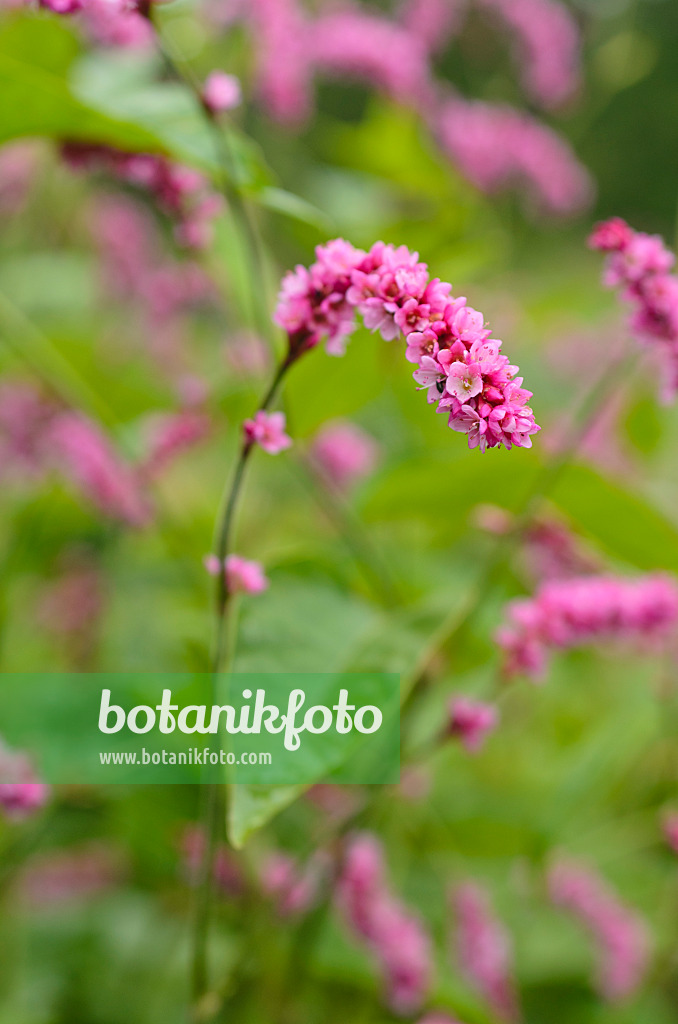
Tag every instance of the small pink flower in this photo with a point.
(268, 431)
(221, 92)
(245, 576)
(464, 381)
(472, 721)
(212, 564)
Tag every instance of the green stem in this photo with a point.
(242, 216)
(205, 1002)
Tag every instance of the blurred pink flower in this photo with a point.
(71, 606)
(67, 876)
(221, 92)
(394, 935)
(170, 436)
(116, 23)
(583, 611)
(483, 949)
(472, 721)
(267, 429)
(19, 164)
(293, 888)
(283, 61)
(498, 146)
(21, 793)
(670, 828)
(640, 265)
(180, 192)
(87, 457)
(548, 43)
(25, 414)
(620, 935)
(433, 22)
(247, 355)
(352, 42)
(343, 453)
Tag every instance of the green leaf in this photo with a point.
(36, 98)
(310, 626)
(290, 205)
(622, 522)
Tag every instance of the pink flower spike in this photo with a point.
(243, 576)
(268, 431)
(221, 92)
(464, 381)
(471, 721)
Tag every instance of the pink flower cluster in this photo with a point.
(670, 827)
(497, 146)
(459, 365)
(394, 935)
(640, 265)
(620, 934)
(472, 721)
(583, 611)
(433, 22)
(242, 575)
(343, 454)
(548, 44)
(184, 194)
(483, 949)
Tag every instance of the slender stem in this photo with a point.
(205, 1004)
(227, 176)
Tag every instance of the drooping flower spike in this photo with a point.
(459, 365)
(640, 266)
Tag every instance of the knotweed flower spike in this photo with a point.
(394, 935)
(459, 364)
(586, 610)
(483, 949)
(639, 265)
(620, 934)
(472, 721)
